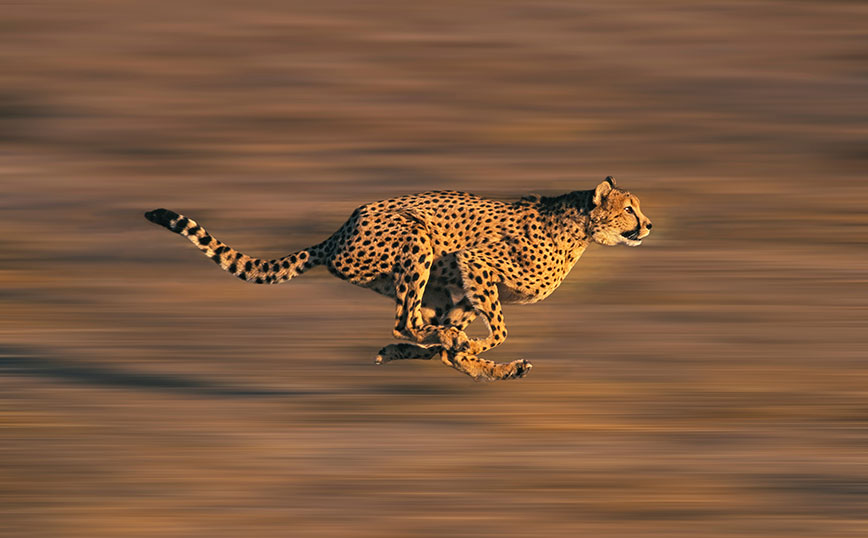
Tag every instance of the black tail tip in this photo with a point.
(161, 216)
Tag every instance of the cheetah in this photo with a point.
(446, 257)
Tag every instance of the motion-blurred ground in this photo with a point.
(710, 383)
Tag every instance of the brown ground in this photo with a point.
(710, 383)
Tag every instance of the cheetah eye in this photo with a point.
(629, 209)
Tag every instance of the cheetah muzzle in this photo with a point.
(447, 257)
(632, 235)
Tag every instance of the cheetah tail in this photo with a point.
(241, 265)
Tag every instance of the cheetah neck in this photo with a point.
(567, 216)
(570, 205)
(565, 219)
(570, 236)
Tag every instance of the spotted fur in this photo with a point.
(446, 257)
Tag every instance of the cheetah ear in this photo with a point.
(603, 190)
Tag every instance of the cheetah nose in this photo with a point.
(648, 225)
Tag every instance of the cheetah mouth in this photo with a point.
(632, 235)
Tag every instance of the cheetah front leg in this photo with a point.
(484, 369)
(438, 309)
(480, 287)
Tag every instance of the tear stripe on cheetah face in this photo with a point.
(446, 257)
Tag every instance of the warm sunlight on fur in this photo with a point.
(446, 257)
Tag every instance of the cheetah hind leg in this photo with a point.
(404, 351)
(483, 369)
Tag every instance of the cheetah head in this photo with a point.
(616, 218)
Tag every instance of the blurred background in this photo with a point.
(709, 383)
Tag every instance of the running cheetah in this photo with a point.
(446, 257)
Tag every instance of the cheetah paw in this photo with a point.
(517, 369)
